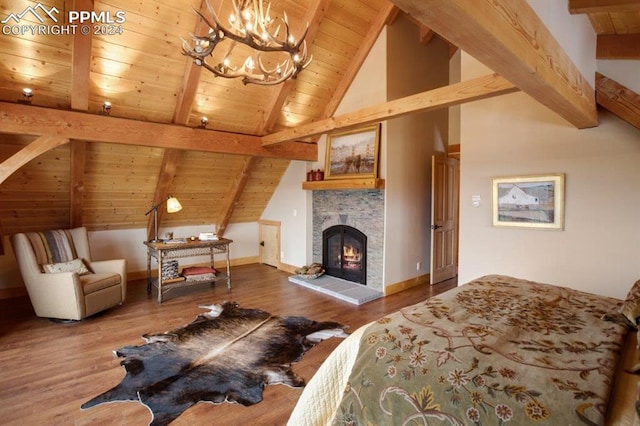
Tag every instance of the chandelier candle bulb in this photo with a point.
(273, 59)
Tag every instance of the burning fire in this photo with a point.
(350, 254)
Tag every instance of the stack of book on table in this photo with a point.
(199, 273)
(208, 236)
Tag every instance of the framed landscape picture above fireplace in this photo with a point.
(353, 154)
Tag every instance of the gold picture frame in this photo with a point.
(535, 201)
(353, 154)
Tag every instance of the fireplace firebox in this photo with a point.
(344, 253)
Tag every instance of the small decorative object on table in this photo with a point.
(208, 236)
(310, 272)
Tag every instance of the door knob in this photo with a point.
(262, 243)
(434, 227)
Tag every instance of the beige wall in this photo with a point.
(368, 88)
(406, 147)
(411, 142)
(599, 249)
(405, 151)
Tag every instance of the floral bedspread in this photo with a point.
(497, 350)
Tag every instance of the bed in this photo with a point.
(495, 350)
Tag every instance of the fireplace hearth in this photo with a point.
(344, 253)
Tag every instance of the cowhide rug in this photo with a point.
(227, 354)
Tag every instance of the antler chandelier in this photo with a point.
(272, 59)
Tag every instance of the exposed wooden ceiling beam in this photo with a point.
(181, 113)
(191, 76)
(618, 46)
(603, 6)
(386, 15)
(315, 16)
(77, 165)
(165, 178)
(426, 34)
(80, 77)
(1, 239)
(618, 99)
(76, 182)
(508, 37)
(33, 120)
(239, 184)
(442, 97)
(37, 147)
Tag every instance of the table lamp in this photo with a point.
(173, 206)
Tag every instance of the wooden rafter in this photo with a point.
(603, 6)
(80, 77)
(171, 156)
(442, 97)
(165, 178)
(618, 46)
(37, 147)
(33, 120)
(235, 193)
(1, 239)
(314, 16)
(426, 34)
(508, 37)
(385, 16)
(618, 99)
(76, 182)
(191, 77)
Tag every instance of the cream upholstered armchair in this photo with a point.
(60, 277)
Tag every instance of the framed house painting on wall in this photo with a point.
(353, 154)
(529, 201)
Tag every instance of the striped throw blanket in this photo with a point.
(52, 246)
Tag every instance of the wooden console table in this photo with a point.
(165, 251)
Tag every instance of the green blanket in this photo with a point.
(495, 351)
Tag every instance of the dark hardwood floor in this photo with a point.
(50, 369)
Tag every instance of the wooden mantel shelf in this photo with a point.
(355, 183)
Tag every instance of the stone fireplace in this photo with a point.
(346, 216)
(344, 253)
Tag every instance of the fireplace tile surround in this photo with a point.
(360, 209)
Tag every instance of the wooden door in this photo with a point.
(444, 218)
(269, 243)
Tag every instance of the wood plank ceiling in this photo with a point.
(146, 78)
(116, 167)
